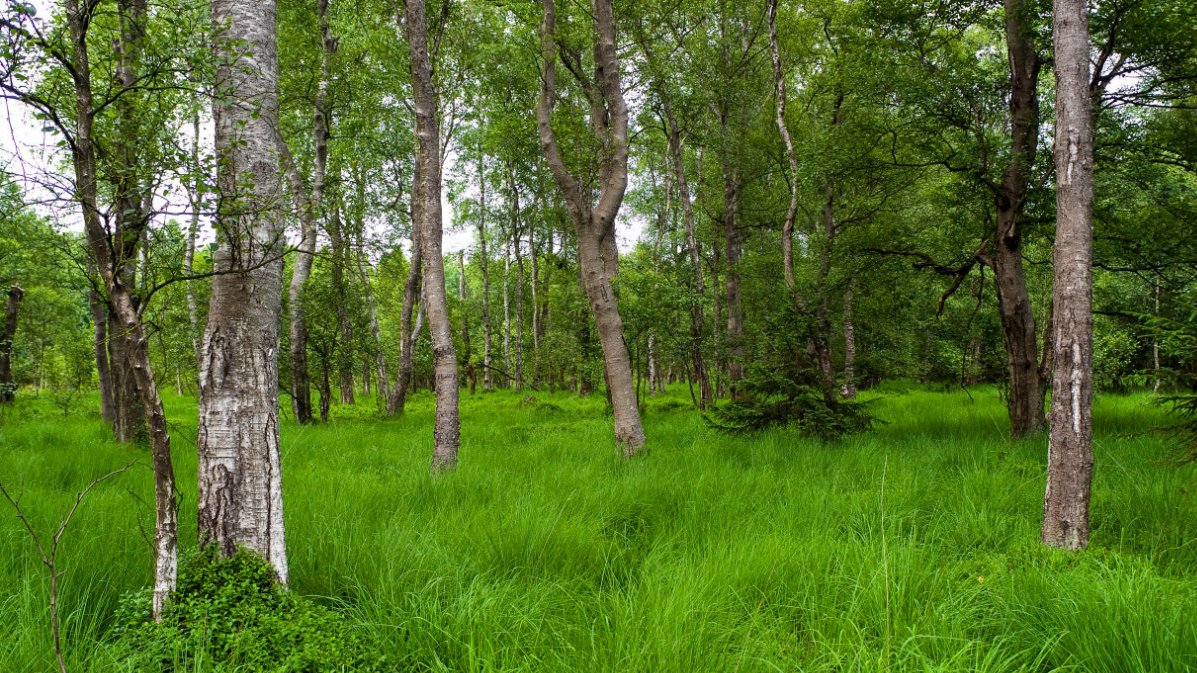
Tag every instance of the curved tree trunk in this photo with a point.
(426, 209)
(1070, 446)
(240, 473)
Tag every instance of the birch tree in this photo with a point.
(594, 223)
(426, 218)
(1070, 444)
(240, 471)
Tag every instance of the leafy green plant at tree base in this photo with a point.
(230, 613)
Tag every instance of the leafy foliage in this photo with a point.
(232, 610)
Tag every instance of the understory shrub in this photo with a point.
(230, 614)
(773, 400)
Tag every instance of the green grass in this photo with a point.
(546, 552)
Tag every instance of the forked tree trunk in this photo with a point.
(1070, 446)
(426, 210)
(240, 499)
(8, 386)
(595, 223)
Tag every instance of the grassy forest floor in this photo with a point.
(912, 548)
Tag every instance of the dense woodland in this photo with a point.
(239, 223)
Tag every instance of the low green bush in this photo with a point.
(230, 614)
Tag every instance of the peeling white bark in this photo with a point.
(240, 472)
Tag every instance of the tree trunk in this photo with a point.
(595, 223)
(507, 312)
(519, 288)
(99, 317)
(307, 205)
(533, 257)
(8, 386)
(821, 334)
(467, 357)
(110, 265)
(735, 309)
(849, 386)
(1070, 446)
(345, 343)
(787, 228)
(1025, 399)
(192, 234)
(407, 336)
(380, 360)
(240, 499)
(325, 388)
(484, 260)
(166, 529)
(128, 423)
(131, 203)
(706, 393)
(1155, 345)
(427, 211)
